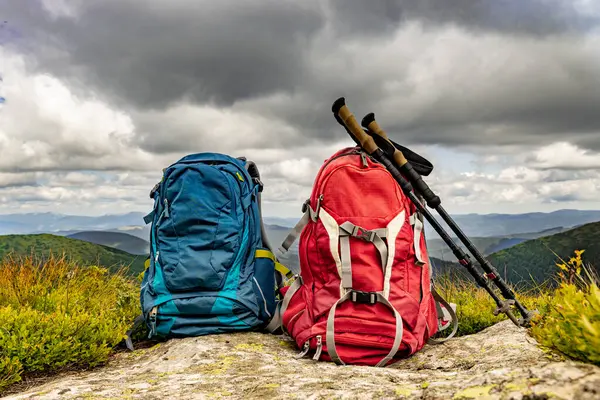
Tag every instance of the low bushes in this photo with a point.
(59, 315)
(571, 322)
(568, 319)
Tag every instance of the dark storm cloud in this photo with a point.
(358, 17)
(154, 53)
(535, 17)
(531, 82)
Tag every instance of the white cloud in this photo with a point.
(564, 155)
(12, 179)
(44, 126)
(83, 153)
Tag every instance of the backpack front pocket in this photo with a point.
(200, 231)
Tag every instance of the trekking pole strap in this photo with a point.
(405, 166)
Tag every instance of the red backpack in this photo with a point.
(364, 294)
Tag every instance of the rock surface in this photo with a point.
(501, 362)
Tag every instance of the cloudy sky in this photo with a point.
(502, 96)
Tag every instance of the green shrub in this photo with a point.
(475, 307)
(571, 322)
(59, 315)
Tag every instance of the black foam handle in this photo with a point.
(433, 200)
(339, 103)
(367, 119)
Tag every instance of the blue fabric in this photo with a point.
(203, 275)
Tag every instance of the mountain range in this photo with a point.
(488, 225)
(523, 244)
(118, 240)
(474, 225)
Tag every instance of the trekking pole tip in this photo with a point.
(526, 321)
(367, 119)
(338, 104)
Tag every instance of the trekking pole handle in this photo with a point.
(340, 109)
(431, 198)
(369, 123)
(346, 119)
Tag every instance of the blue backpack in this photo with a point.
(211, 268)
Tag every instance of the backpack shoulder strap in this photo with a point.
(255, 175)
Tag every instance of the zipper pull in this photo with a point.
(364, 159)
(152, 318)
(304, 351)
(166, 207)
(319, 348)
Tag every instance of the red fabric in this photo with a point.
(368, 197)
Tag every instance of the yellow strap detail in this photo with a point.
(260, 253)
(147, 263)
(240, 177)
(285, 271)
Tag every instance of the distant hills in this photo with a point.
(510, 239)
(53, 222)
(474, 225)
(534, 260)
(43, 245)
(502, 225)
(118, 240)
(487, 245)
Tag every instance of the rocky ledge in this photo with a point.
(501, 362)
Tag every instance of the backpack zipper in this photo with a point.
(319, 348)
(152, 319)
(364, 159)
(166, 210)
(305, 350)
(354, 151)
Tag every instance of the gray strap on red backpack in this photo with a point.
(440, 300)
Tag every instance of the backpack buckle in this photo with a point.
(154, 189)
(363, 297)
(259, 183)
(362, 233)
(305, 205)
(314, 215)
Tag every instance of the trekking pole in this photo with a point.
(346, 118)
(434, 202)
